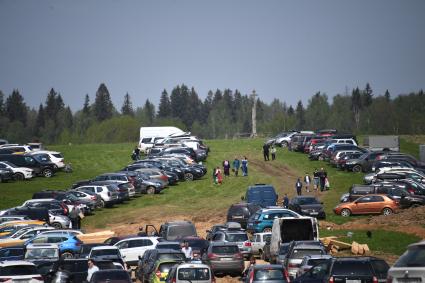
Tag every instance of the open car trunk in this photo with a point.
(298, 230)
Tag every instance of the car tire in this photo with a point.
(284, 144)
(47, 173)
(67, 254)
(345, 212)
(102, 204)
(56, 225)
(150, 190)
(188, 176)
(357, 168)
(387, 211)
(267, 229)
(19, 176)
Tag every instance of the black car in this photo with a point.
(40, 163)
(146, 263)
(240, 212)
(12, 253)
(101, 276)
(54, 206)
(5, 175)
(364, 162)
(33, 213)
(308, 206)
(86, 248)
(345, 269)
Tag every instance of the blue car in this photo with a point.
(69, 245)
(262, 220)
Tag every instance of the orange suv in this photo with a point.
(370, 204)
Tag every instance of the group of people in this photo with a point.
(235, 166)
(320, 181)
(267, 149)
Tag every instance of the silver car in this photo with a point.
(311, 260)
(238, 237)
(410, 267)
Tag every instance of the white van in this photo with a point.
(148, 135)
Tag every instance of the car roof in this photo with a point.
(193, 265)
(15, 262)
(40, 245)
(104, 247)
(318, 256)
(267, 266)
(421, 243)
(138, 238)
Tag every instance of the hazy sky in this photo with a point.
(283, 49)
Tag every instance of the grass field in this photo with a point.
(200, 197)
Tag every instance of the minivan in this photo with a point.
(261, 194)
(41, 166)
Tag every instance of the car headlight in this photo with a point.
(349, 162)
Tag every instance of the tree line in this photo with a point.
(222, 114)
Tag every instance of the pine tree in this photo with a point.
(39, 123)
(16, 109)
(164, 108)
(300, 115)
(149, 110)
(1, 103)
(127, 107)
(86, 106)
(54, 104)
(103, 107)
(387, 95)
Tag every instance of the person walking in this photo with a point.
(226, 168)
(322, 177)
(236, 165)
(285, 202)
(316, 179)
(307, 181)
(298, 187)
(219, 176)
(74, 216)
(136, 153)
(244, 166)
(266, 152)
(273, 152)
(92, 269)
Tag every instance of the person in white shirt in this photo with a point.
(187, 250)
(92, 269)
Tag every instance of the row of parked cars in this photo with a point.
(23, 162)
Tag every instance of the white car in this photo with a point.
(410, 267)
(19, 173)
(108, 194)
(28, 271)
(55, 157)
(258, 242)
(132, 248)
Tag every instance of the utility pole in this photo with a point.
(254, 114)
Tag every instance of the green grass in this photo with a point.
(385, 241)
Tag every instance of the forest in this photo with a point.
(221, 114)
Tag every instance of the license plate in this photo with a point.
(237, 217)
(225, 258)
(353, 281)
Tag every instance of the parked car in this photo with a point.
(176, 230)
(69, 245)
(108, 195)
(262, 220)
(262, 195)
(40, 163)
(190, 272)
(308, 206)
(19, 173)
(364, 162)
(370, 204)
(161, 269)
(111, 275)
(19, 271)
(132, 248)
(54, 156)
(309, 261)
(281, 256)
(224, 257)
(239, 238)
(12, 253)
(410, 266)
(297, 251)
(340, 269)
(241, 212)
(6, 175)
(86, 249)
(258, 242)
(273, 273)
(46, 254)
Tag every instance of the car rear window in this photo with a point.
(172, 256)
(111, 275)
(194, 274)
(225, 250)
(165, 267)
(175, 232)
(413, 257)
(269, 274)
(351, 267)
(236, 237)
(18, 270)
(316, 261)
(300, 253)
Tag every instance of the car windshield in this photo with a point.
(221, 250)
(42, 157)
(270, 274)
(308, 201)
(41, 253)
(236, 237)
(18, 270)
(20, 232)
(194, 274)
(413, 257)
(351, 267)
(300, 253)
(105, 252)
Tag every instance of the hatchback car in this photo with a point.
(240, 212)
(410, 267)
(308, 206)
(224, 258)
(270, 273)
(19, 271)
(237, 237)
(190, 272)
(370, 204)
